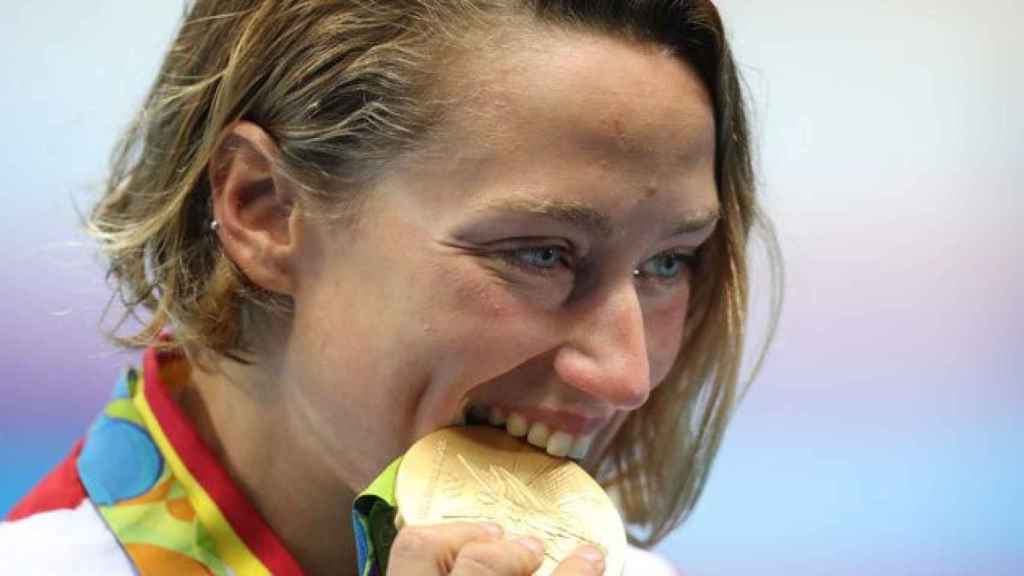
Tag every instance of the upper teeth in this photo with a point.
(555, 442)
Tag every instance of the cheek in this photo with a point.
(474, 331)
(664, 324)
(482, 328)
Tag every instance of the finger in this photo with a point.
(499, 558)
(585, 560)
(432, 550)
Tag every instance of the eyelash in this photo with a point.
(515, 258)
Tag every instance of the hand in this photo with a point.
(465, 549)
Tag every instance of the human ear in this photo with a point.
(254, 205)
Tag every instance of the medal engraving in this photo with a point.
(440, 449)
(480, 474)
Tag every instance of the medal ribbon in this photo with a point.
(373, 522)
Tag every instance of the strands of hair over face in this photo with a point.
(345, 89)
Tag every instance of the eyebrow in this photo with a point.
(586, 217)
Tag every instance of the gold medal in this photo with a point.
(481, 474)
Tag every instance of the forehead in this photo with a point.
(607, 93)
(578, 111)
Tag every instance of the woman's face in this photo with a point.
(534, 262)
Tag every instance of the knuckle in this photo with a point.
(475, 565)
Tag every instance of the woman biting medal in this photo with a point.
(344, 225)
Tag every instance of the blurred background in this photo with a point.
(884, 434)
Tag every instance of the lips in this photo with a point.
(559, 434)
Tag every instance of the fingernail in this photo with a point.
(591, 554)
(493, 529)
(533, 544)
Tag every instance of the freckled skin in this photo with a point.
(398, 322)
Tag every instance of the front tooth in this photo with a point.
(497, 417)
(580, 447)
(538, 435)
(559, 444)
(516, 425)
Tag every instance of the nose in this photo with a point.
(605, 354)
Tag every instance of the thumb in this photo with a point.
(585, 560)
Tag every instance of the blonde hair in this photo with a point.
(346, 87)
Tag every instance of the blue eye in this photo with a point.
(668, 266)
(542, 257)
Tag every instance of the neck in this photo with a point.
(270, 460)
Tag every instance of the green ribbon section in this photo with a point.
(377, 506)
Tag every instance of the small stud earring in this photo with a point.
(214, 225)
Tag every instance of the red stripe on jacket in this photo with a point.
(61, 489)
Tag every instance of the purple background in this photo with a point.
(885, 434)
